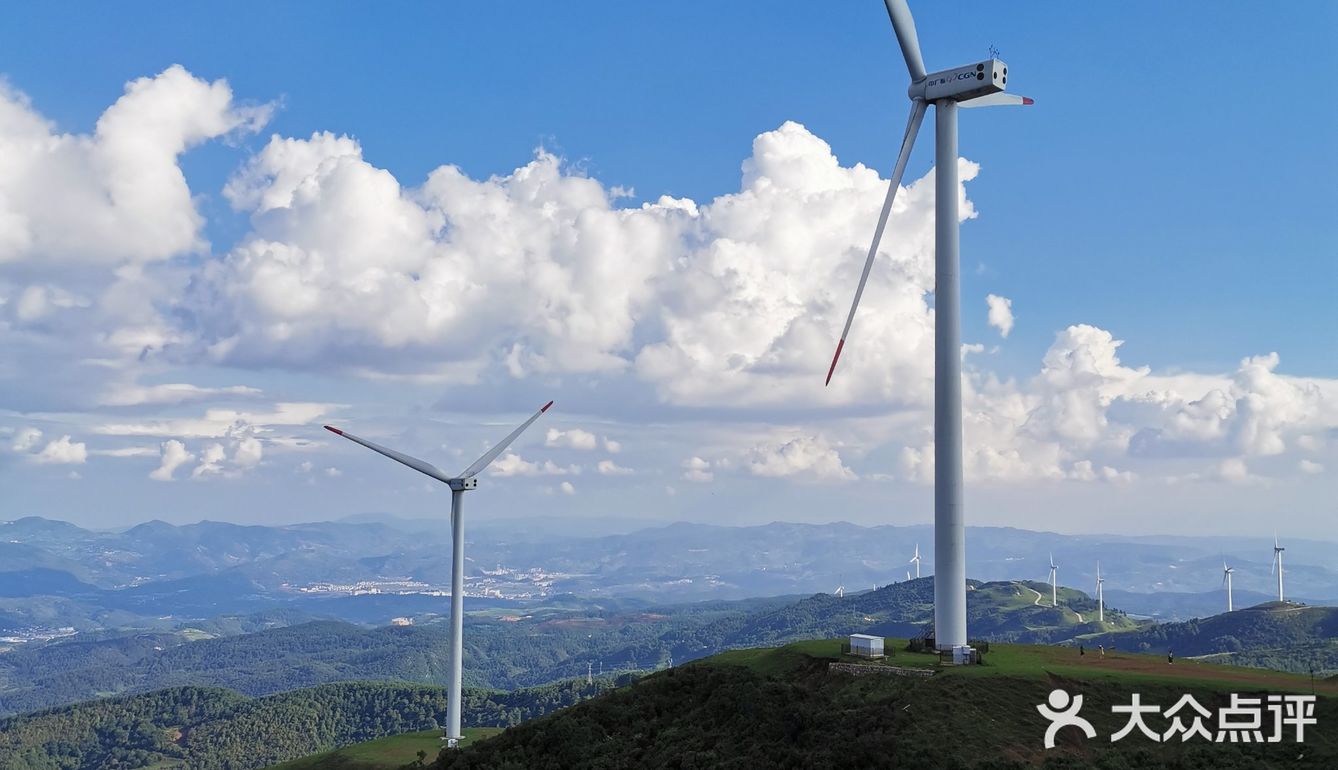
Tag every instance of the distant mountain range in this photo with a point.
(563, 638)
(155, 576)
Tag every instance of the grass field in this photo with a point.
(1039, 661)
(384, 753)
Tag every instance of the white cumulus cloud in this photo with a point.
(174, 455)
(805, 456)
(25, 439)
(1000, 313)
(574, 439)
(63, 451)
(610, 468)
(116, 195)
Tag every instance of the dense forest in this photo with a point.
(217, 729)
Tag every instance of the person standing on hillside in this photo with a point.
(1170, 657)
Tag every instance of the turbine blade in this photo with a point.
(912, 128)
(491, 454)
(413, 462)
(997, 100)
(1275, 563)
(902, 23)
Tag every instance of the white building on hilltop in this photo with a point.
(866, 646)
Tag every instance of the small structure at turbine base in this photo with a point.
(866, 646)
(960, 655)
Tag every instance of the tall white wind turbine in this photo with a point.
(980, 84)
(1226, 581)
(1100, 595)
(1277, 563)
(916, 560)
(466, 480)
(1054, 586)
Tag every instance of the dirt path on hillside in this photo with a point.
(1033, 590)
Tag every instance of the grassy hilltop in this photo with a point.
(781, 707)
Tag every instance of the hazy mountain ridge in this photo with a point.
(229, 568)
(560, 638)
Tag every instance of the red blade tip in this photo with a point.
(1028, 100)
(333, 429)
(839, 345)
(545, 409)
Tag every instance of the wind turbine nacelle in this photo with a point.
(962, 83)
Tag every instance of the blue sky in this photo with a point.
(1172, 186)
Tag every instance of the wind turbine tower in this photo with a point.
(1054, 590)
(1277, 563)
(466, 480)
(1226, 581)
(979, 84)
(1100, 595)
(916, 560)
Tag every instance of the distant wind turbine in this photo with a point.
(840, 591)
(1226, 581)
(1100, 595)
(459, 484)
(1054, 590)
(979, 84)
(916, 560)
(1277, 563)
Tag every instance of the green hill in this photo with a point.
(390, 753)
(1280, 635)
(784, 707)
(561, 638)
(207, 728)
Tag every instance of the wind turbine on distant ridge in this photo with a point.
(1054, 590)
(916, 560)
(1226, 581)
(459, 484)
(1100, 595)
(980, 84)
(1277, 563)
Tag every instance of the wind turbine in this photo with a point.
(466, 480)
(980, 84)
(1226, 581)
(1277, 563)
(840, 591)
(916, 560)
(1054, 591)
(1100, 596)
